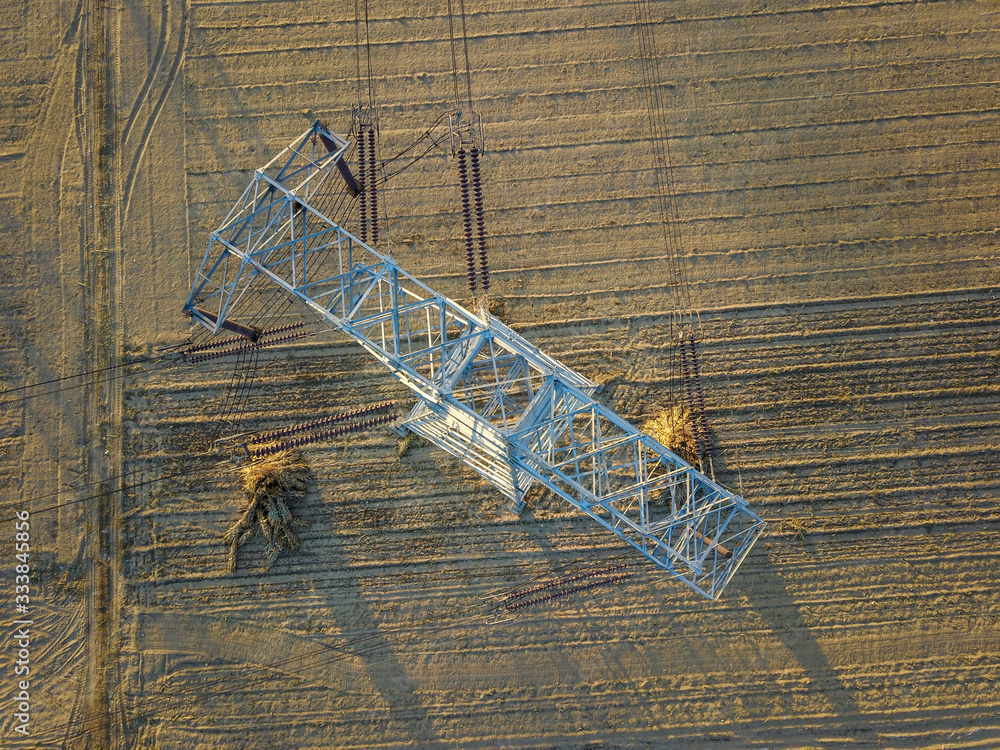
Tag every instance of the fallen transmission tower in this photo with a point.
(485, 394)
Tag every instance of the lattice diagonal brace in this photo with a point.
(485, 394)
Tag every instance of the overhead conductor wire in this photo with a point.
(684, 373)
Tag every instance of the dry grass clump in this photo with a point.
(795, 527)
(407, 442)
(269, 486)
(674, 428)
(496, 305)
(498, 308)
(606, 376)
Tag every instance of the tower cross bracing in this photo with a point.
(484, 393)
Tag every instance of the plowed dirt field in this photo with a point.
(835, 166)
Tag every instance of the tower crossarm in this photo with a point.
(485, 394)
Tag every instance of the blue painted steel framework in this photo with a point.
(485, 394)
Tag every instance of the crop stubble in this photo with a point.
(835, 173)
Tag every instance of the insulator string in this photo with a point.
(470, 252)
(477, 192)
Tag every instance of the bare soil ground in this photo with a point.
(836, 176)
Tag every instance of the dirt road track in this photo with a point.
(97, 85)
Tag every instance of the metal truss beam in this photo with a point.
(485, 394)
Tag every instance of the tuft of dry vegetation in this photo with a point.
(605, 376)
(674, 428)
(269, 486)
(498, 308)
(407, 442)
(495, 304)
(794, 527)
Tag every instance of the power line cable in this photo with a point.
(77, 375)
(454, 54)
(465, 44)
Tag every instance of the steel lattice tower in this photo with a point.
(485, 394)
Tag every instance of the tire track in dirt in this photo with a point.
(102, 334)
(599, 81)
(143, 93)
(621, 17)
(833, 47)
(245, 644)
(48, 450)
(975, 61)
(175, 67)
(855, 184)
(601, 94)
(42, 273)
(721, 283)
